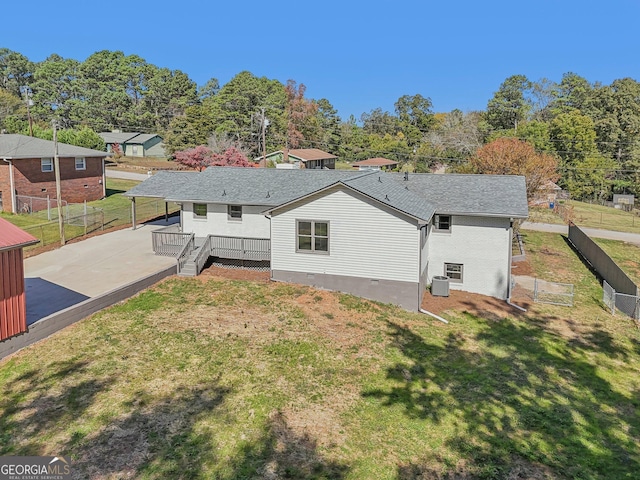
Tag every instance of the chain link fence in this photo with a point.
(627, 304)
(80, 219)
(542, 291)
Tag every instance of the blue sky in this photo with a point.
(358, 55)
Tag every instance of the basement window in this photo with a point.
(46, 164)
(454, 272)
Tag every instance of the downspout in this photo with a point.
(12, 186)
(104, 179)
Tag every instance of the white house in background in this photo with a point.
(379, 235)
(295, 158)
(377, 163)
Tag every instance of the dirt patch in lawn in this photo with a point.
(476, 304)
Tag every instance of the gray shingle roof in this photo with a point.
(142, 138)
(14, 146)
(255, 186)
(488, 195)
(118, 137)
(384, 189)
(163, 184)
(419, 197)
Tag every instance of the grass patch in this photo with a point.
(235, 379)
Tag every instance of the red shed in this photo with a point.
(13, 305)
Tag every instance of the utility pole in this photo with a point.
(29, 102)
(56, 167)
(264, 145)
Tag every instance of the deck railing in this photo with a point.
(203, 255)
(239, 248)
(169, 241)
(183, 256)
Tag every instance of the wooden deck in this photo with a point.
(170, 242)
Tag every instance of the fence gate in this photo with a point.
(542, 291)
(627, 304)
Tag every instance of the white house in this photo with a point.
(379, 235)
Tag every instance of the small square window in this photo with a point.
(200, 210)
(81, 163)
(442, 223)
(46, 164)
(454, 271)
(234, 212)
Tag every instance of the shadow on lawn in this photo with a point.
(153, 435)
(527, 401)
(52, 400)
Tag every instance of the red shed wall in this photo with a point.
(76, 186)
(13, 305)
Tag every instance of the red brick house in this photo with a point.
(13, 306)
(27, 168)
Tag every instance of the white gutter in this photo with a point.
(433, 315)
(11, 184)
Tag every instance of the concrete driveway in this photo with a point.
(78, 271)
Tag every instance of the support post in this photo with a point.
(166, 212)
(56, 166)
(133, 212)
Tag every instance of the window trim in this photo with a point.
(49, 161)
(313, 237)
(446, 272)
(196, 215)
(230, 216)
(436, 224)
(84, 163)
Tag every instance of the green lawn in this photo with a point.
(112, 211)
(591, 216)
(212, 378)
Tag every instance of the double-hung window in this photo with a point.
(234, 212)
(312, 236)
(81, 163)
(46, 164)
(443, 223)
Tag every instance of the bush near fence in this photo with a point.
(96, 219)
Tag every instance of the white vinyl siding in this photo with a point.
(366, 239)
(482, 245)
(217, 222)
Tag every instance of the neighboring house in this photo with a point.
(547, 193)
(379, 235)
(27, 169)
(13, 306)
(135, 144)
(309, 158)
(377, 163)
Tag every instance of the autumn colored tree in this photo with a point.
(202, 157)
(300, 112)
(197, 158)
(510, 156)
(231, 157)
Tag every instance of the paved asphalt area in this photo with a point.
(78, 271)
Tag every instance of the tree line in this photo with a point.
(590, 130)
